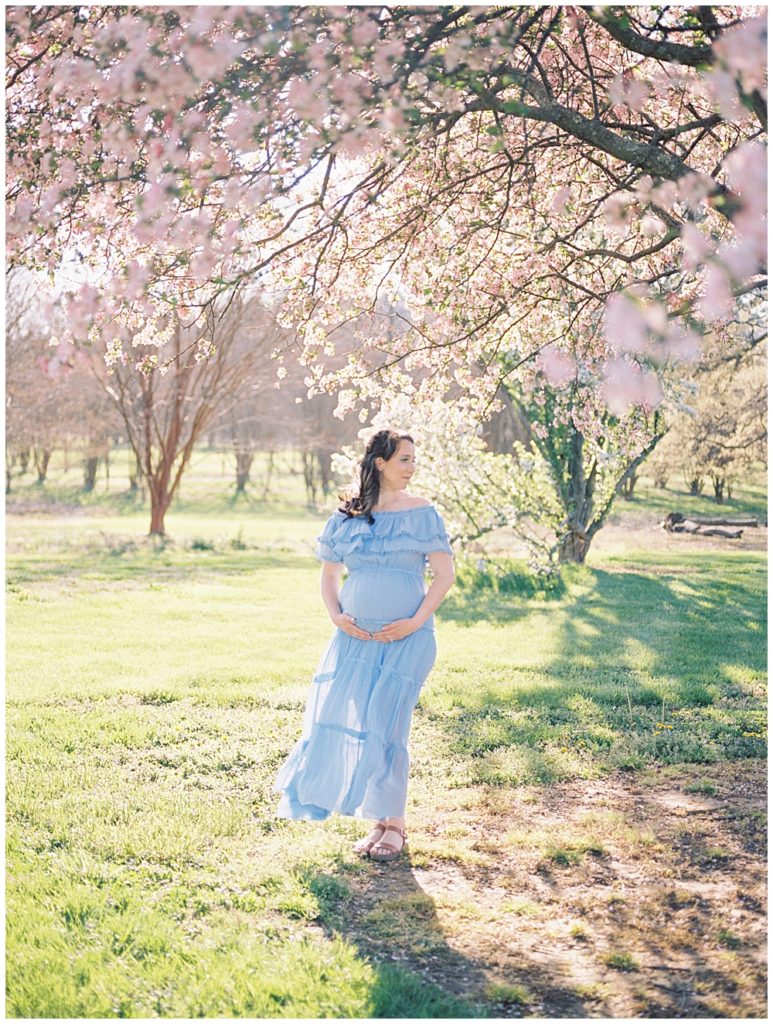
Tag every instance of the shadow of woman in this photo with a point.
(383, 911)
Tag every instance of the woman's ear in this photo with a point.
(380, 467)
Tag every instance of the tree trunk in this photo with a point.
(24, 459)
(628, 485)
(574, 544)
(325, 462)
(269, 471)
(573, 547)
(41, 458)
(90, 472)
(243, 466)
(310, 476)
(719, 489)
(135, 478)
(675, 518)
(159, 504)
(696, 485)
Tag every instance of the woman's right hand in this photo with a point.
(348, 624)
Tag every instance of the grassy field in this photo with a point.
(586, 810)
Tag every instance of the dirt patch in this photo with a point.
(639, 895)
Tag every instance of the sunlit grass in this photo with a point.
(154, 692)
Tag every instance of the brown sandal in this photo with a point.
(364, 846)
(393, 852)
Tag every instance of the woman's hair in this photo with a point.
(382, 445)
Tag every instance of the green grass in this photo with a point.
(749, 499)
(154, 692)
(620, 961)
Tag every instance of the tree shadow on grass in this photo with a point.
(680, 625)
(646, 669)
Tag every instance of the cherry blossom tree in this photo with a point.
(587, 184)
(103, 155)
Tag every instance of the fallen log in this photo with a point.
(720, 531)
(675, 522)
(709, 521)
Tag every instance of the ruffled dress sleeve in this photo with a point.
(435, 538)
(420, 529)
(328, 549)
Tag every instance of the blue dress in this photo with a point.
(352, 756)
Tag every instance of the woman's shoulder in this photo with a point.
(409, 503)
(416, 502)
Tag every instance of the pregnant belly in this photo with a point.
(382, 594)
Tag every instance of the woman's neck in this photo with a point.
(386, 497)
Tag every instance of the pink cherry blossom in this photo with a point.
(747, 169)
(617, 90)
(558, 367)
(742, 49)
(682, 344)
(637, 94)
(626, 384)
(695, 245)
(740, 257)
(722, 90)
(560, 200)
(651, 226)
(624, 326)
(716, 302)
(693, 189)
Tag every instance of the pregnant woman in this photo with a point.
(352, 756)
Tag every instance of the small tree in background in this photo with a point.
(53, 400)
(168, 405)
(723, 435)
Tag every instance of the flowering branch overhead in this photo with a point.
(494, 174)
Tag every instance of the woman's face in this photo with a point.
(397, 471)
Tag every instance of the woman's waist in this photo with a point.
(362, 570)
(372, 625)
(390, 583)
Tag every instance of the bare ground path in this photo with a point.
(640, 894)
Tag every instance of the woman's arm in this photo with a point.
(442, 566)
(330, 583)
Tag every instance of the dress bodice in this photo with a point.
(385, 560)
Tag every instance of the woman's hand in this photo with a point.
(397, 630)
(348, 624)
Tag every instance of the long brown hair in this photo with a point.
(382, 445)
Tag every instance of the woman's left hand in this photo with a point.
(396, 630)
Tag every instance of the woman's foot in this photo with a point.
(365, 845)
(391, 844)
